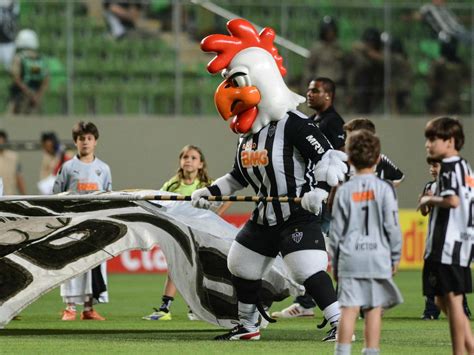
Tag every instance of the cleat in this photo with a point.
(69, 314)
(239, 333)
(331, 335)
(430, 316)
(91, 315)
(191, 316)
(293, 311)
(158, 315)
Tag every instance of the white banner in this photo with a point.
(44, 243)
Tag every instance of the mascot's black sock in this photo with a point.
(247, 290)
(247, 295)
(320, 287)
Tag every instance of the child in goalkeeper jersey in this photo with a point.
(365, 240)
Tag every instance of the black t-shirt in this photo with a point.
(331, 124)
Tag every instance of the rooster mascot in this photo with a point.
(280, 153)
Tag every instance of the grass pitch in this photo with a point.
(40, 330)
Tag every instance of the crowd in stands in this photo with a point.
(376, 74)
(362, 77)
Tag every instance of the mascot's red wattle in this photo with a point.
(253, 93)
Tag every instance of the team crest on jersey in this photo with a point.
(254, 158)
(297, 236)
(271, 130)
(98, 172)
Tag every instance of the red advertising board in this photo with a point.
(154, 261)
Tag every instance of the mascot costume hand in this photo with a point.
(312, 201)
(332, 167)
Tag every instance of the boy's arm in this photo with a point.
(425, 210)
(338, 224)
(448, 192)
(20, 181)
(108, 181)
(60, 184)
(392, 226)
(451, 201)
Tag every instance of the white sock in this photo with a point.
(342, 349)
(332, 313)
(370, 351)
(248, 316)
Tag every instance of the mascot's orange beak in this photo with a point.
(239, 103)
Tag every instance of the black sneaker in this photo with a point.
(429, 316)
(239, 333)
(331, 335)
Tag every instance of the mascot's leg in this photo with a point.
(308, 267)
(247, 268)
(250, 257)
(304, 252)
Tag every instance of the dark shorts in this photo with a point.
(299, 232)
(441, 279)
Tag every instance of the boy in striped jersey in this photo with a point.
(432, 312)
(385, 168)
(449, 245)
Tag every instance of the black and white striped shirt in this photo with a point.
(279, 161)
(451, 230)
(387, 170)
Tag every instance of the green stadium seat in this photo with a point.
(54, 103)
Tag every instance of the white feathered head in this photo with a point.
(253, 93)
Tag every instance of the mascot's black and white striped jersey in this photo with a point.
(451, 230)
(279, 161)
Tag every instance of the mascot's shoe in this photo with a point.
(293, 311)
(239, 333)
(91, 315)
(158, 315)
(69, 314)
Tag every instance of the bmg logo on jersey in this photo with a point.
(254, 158)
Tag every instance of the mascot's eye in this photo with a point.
(240, 80)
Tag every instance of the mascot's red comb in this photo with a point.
(242, 35)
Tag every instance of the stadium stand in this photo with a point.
(138, 76)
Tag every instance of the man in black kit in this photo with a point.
(320, 97)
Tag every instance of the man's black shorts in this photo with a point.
(299, 232)
(440, 279)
